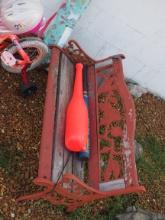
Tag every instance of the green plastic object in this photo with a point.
(62, 25)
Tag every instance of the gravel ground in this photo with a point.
(150, 112)
(20, 130)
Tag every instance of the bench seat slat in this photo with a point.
(60, 154)
(46, 147)
(63, 160)
(111, 185)
(78, 167)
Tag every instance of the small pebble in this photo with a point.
(12, 215)
(2, 131)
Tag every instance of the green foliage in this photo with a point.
(152, 163)
(111, 207)
(9, 157)
(4, 158)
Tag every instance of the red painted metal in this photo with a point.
(14, 39)
(112, 128)
(73, 193)
(24, 76)
(93, 165)
(129, 129)
(46, 148)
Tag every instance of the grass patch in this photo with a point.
(151, 164)
(104, 211)
(10, 157)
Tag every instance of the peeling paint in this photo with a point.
(130, 113)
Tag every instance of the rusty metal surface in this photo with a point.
(72, 193)
(112, 115)
(117, 126)
(130, 172)
(93, 163)
(76, 54)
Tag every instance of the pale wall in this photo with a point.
(133, 27)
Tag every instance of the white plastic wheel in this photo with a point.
(34, 47)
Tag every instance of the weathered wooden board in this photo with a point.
(63, 95)
(46, 147)
(112, 185)
(63, 160)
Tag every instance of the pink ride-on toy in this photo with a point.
(20, 54)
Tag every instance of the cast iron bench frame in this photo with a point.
(111, 169)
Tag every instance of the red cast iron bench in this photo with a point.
(111, 169)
